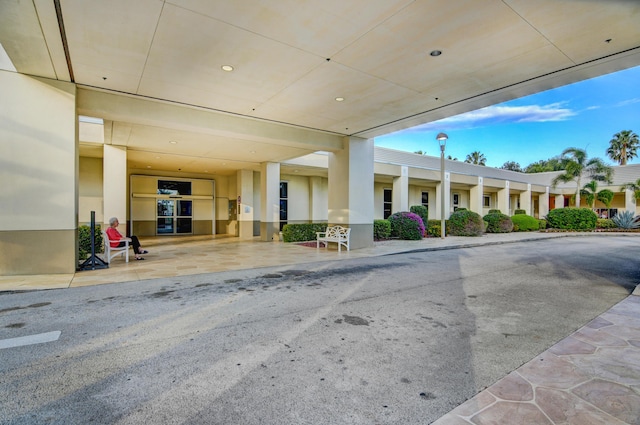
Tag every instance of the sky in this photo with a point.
(583, 115)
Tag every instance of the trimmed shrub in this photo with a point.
(302, 232)
(406, 225)
(465, 223)
(543, 223)
(524, 223)
(605, 223)
(498, 223)
(495, 212)
(572, 219)
(421, 211)
(381, 229)
(84, 241)
(433, 228)
(519, 212)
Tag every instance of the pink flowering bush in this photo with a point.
(406, 225)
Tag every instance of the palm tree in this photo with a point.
(623, 146)
(476, 158)
(590, 191)
(575, 164)
(511, 166)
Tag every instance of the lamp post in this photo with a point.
(442, 139)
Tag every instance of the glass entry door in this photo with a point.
(174, 216)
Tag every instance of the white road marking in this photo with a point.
(30, 339)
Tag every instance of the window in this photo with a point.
(456, 200)
(425, 199)
(387, 203)
(486, 201)
(284, 203)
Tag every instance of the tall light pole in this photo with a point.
(442, 139)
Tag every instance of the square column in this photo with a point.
(244, 189)
(476, 195)
(400, 193)
(319, 205)
(543, 203)
(269, 201)
(560, 201)
(446, 192)
(525, 200)
(39, 175)
(503, 199)
(629, 201)
(351, 190)
(114, 186)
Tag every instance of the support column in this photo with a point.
(400, 193)
(503, 199)
(269, 201)
(447, 197)
(39, 175)
(244, 189)
(543, 203)
(476, 194)
(560, 201)
(525, 200)
(114, 186)
(351, 190)
(629, 201)
(318, 200)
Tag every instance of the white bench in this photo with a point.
(110, 252)
(337, 234)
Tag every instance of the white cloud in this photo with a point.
(628, 102)
(498, 114)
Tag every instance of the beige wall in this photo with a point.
(90, 196)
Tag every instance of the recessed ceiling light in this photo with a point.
(148, 166)
(252, 151)
(339, 99)
(435, 53)
(173, 142)
(227, 68)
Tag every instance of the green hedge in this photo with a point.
(524, 223)
(465, 223)
(302, 232)
(519, 212)
(84, 241)
(381, 229)
(572, 219)
(543, 223)
(605, 223)
(498, 223)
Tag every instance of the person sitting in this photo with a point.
(117, 240)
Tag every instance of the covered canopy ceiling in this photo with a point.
(304, 73)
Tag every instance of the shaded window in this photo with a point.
(486, 201)
(284, 203)
(387, 203)
(172, 187)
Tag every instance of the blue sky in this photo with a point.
(584, 115)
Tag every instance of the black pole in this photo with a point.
(93, 262)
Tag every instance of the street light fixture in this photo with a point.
(442, 139)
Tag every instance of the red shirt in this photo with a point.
(114, 237)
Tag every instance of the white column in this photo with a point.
(244, 189)
(114, 182)
(525, 200)
(503, 199)
(318, 199)
(476, 197)
(269, 201)
(629, 201)
(543, 203)
(39, 175)
(447, 197)
(351, 190)
(560, 201)
(400, 200)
